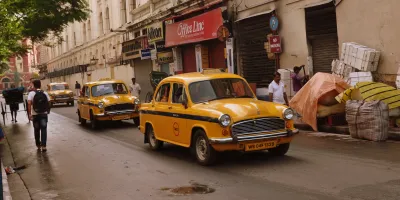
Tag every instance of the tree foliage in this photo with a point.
(35, 19)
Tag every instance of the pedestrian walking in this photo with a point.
(276, 90)
(297, 79)
(77, 89)
(135, 88)
(38, 110)
(14, 107)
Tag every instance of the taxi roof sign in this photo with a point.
(215, 70)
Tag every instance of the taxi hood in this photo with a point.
(117, 99)
(240, 108)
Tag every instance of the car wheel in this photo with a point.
(81, 120)
(93, 122)
(280, 150)
(205, 153)
(136, 120)
(153, 142)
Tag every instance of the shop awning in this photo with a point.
(255, 15)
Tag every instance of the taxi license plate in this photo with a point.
(260, 145)
(120, 117)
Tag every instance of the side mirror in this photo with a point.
(185, 103)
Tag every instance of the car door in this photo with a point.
(85, 103)
(161, 102)
(178, 120)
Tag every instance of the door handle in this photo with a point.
(169, 107)
(175, 115)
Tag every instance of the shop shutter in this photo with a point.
(322, 33)
(324, 50)
(142, 72)
(254, 63)
(189, 58)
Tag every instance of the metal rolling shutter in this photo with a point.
(322, 33)
(324, 50)
(254, 63)
(142, 72)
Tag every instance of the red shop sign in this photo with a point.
(275, 42)
(199, 28)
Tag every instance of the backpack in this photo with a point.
(40, 102)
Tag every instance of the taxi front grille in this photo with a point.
(62, 96)
(257, 126)
(119, 107)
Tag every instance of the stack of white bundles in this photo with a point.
(360, 57)
(287, 80)
(398, 78)
(347, 69)
(356, 77)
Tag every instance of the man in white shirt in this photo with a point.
(276, 90)
(135, 88)
(38, 109)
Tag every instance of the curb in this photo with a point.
(394, 133)
(5, 187)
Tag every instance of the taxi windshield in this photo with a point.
(109, 88)
(59, 87)
(215, 89)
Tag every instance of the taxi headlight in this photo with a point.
(100, 105)
(136, 101)
(71, 94)
(288, 114)
(224, 120)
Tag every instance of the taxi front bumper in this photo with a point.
(287, 133)
(61, 99)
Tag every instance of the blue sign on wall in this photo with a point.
(273, 23)
(145, 54)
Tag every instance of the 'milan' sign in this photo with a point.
(155, 32)
(199, 28)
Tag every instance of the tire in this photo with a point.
(204, 152)
(154, 144)
(93, 122)
(81, 120)
(280, 150)
(136, 120)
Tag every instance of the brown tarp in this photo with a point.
(322, 88)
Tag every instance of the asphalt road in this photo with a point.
(113, 163)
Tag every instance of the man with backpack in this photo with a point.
(38, 109)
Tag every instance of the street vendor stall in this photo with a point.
(319, 92)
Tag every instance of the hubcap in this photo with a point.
(201, 148)
(152, 138)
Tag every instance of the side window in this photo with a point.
(178, 93)
(87, 93)
(163, 93)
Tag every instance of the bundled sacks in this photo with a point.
(368, 120)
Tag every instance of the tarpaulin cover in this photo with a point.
(370, 91)
(305, 102)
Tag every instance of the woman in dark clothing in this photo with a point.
(14, 107)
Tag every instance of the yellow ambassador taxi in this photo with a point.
(60, 93)
(213, 112)
(107, 100)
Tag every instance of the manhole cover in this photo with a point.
(193, 189)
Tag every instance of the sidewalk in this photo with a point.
(394, 133)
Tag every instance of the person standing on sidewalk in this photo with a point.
(14, 107)
(297, 79)
(135, 88)
(276, 90)
(38, 109)
(77, 88)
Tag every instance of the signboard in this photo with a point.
(155, 32)
(131, 49)
(273, 23)
(199, 28)
(165, 57)
(145, 54)
(275, 44)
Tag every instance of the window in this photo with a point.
(84, 32)
(163, 93)
(20, 66)
(66, 43)
(144, 31)
(215, 89)
(123, 12)
(89, 33)
(86, 91)
(178, 94)
(132, 5)
(108, 26)
(6, 83)
(137, 34)
(59, 87)
(101, 31)
(108, 89)
(74, 39)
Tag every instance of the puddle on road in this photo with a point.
(195, 188)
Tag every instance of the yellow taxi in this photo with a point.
(214, 112)
(107, 100)
(60, 93)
